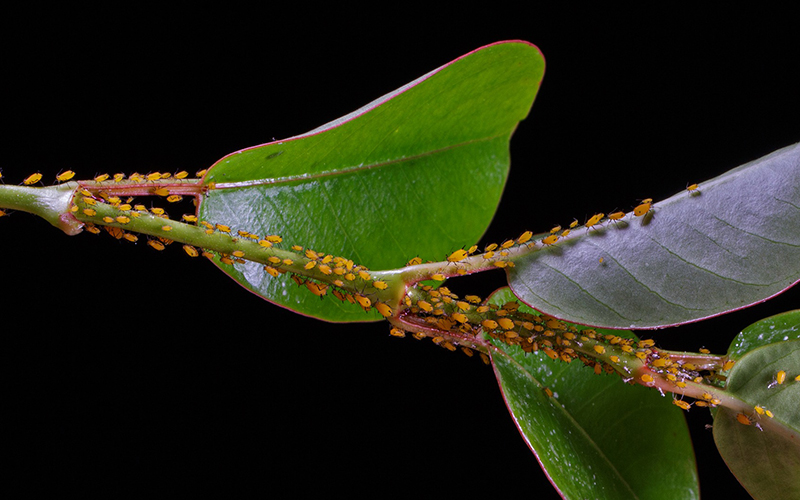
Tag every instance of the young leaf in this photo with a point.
(596, 437)
(764, 455)
(419, 171)
(730, 243)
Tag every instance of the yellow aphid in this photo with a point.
(415, 261)
(273, 238)
(647, 343)
(271, 270)
(153, 176)
(310, 264)
(158, 211)
(460, 317)
(797, 378)
(380, 285)
(265, 243)
(226, 260)
(396, 332)
(222, 228)
(166, 175)
(156, 244)
(524, 237)
(759, 410)
(550, 239)
(728, 365)
(161, 191)
(593, 220)
(118, 177)
(363, 301)
(473, 299)
(489, 324)
(364, 275)
(780, 378)
(190, 250)
(65, 176)
(615, 359)
(317, 289)
(90, 212)
(186, 217)
(692, 187)
(182, 174)
(472, 249)
(201, 173)
(124, 206)
(89, 201)
(769, 413)
(101, 178)
(565, 233)
(599, 349)
(238, 253)
(641, 209)
(438, 277)
(464, 306)
(647, 378)
(174, 198)
(166, 228)
(743, 419)
(457, 256)
(325, 269)
(507, 244)
(122, 219)
(131, 237)
(385, 310)
(425, 306)
(490, 247)
(288, 262)
(555, 229)
(467, 351)
(704, 350)
(616, 215)
(32, 179)
(488, 255)
(681, 404)
(506, 323)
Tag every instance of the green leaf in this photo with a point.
(733, 242)
(419, 171)
(597, 437)
(764, 456)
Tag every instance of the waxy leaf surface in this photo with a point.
(597, 437)
(733, 242)
(418, 172)
(764, 456)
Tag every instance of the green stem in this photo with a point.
(51, 203)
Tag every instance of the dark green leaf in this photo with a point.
(733, 242)
(597, 437)
(764, 456)
(419, 171)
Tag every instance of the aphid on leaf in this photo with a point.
(594, 220)
(396, 332)
(101, 178)
(524, 237)
(415, 261)
(118, 177)
(363, 301)
(131, 237)
(385, 310)
(161, 191)
(201, 173)
(182, 174)
(692, 187)
(238, 253)
(728, 365)
(65, 176)
(122, 219)
(743, 419)
(32, 179)
(222, 228)
(647, 378)
(550, 239)
(778, 379)
(174, 198)
(186, 217)
(616, 216)
(380, 285)
(90, 212)
(317, 289)
(642, 208)
(190, 250)
(438, 277)
(489, 324)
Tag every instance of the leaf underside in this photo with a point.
(767, 460)
(597, 437)
(418, 172)
(733, 242)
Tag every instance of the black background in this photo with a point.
(126, 368)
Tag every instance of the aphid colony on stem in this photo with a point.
(411, 306)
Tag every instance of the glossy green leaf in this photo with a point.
(764, 456)
(419, 171)
(733, 242)
(597, 437)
